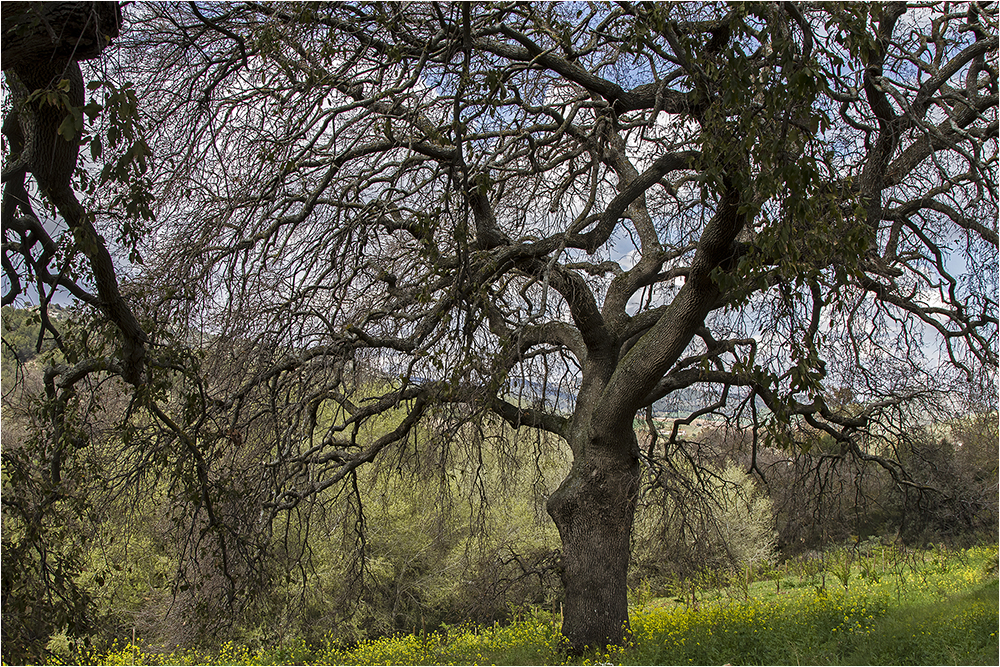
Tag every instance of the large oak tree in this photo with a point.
(558, 215)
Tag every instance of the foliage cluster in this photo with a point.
(821, 497)
(21, 342)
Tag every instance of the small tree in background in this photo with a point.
(704, 519)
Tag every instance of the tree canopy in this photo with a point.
(375, 223)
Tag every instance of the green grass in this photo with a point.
(934, 607)
(960, 629)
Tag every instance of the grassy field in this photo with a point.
(880, 606)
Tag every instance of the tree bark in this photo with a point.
(43, 44)
(39, 32)
(594, 509)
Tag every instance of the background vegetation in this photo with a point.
(454, 543)
(880, 605)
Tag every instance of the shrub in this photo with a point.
(702, 519)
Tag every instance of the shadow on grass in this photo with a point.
(959, 630)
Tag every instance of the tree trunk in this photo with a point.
(35, 33)
(594, 509)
